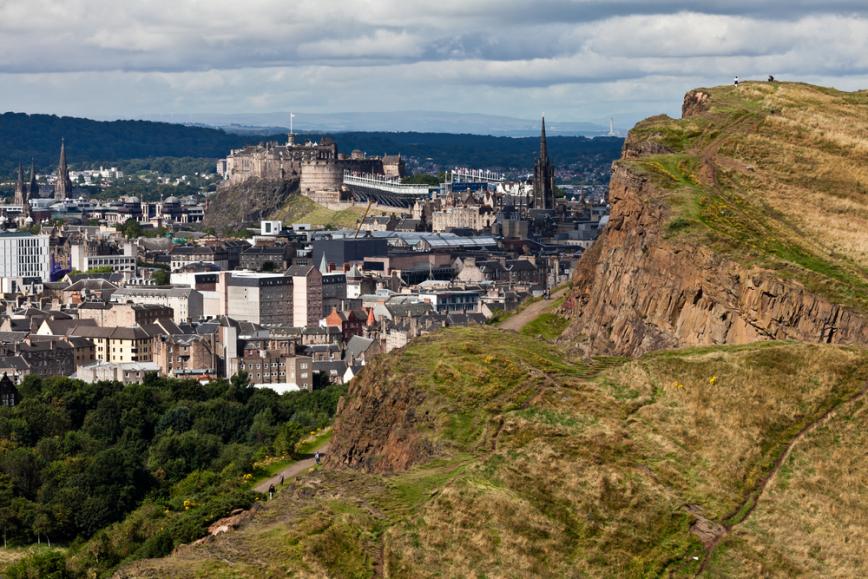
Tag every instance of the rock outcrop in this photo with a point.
(640, 288)
(378, 426)
(235, 205)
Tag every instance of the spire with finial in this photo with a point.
(20, 193)
(34, 185)
(543, 146)
(63, 187)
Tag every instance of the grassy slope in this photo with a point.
(301, 209)
(774, 175)
(550, 468)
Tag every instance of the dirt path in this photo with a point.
(518, 321)
(290, 471)
(751, 501)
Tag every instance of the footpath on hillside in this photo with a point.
(530, 313)
(291, 470)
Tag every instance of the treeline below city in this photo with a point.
(119, 473)
(91, 143)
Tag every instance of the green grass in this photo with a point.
(546, 467)
(549, 326)
(309, 445)
(301, 209)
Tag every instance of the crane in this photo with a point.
(362, 220)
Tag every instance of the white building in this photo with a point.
(22, 256)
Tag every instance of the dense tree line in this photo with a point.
(24, 137)
(152, 145)
(76, 457)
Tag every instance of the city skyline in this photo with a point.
(580, 61)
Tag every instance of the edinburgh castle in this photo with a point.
(317, 165)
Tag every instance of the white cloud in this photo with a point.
(584, 58)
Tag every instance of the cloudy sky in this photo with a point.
(577, 60)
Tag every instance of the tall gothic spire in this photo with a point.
(63, 187)
(20, 193)
(543, 175)
(34, 185)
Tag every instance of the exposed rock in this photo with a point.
(636, 291)
(695, 103)
(377, 427)
(254, 199)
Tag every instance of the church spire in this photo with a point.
(543, 146)
(34, 185)
(63, 187)
(20, 193)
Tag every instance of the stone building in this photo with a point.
(123, 314)
(317, 165)
(185, 303)
(186, 354)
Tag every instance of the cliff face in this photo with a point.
(237, 204)
(379, 424)
(674, 267)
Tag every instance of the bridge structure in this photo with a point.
(385, 191)
(465, 175)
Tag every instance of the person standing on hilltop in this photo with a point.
(736, 80)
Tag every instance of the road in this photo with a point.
(530, 313)
(290, 471)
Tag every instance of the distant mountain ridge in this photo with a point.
(399, 121)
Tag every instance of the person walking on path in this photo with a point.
(270, 492)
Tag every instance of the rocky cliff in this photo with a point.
(714, 239)
(233, 206)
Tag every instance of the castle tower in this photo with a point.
(20, 192)
(63, 187)
(34, 185)
(543, 175)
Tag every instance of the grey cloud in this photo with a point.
(502, 55)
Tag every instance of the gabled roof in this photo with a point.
(358, 346)
(91, 284)
(299, 270)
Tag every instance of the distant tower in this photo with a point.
(34, 185)
(543, 175)
(63, 187)
(20, 191)
(612, 132)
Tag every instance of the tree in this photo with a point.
(160, 277)
(131, 229)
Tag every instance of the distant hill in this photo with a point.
(23, 137)
(390, 121)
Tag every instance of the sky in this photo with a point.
(574, 60)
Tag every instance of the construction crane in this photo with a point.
(362, 220)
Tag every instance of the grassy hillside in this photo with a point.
(523, 464)
(301, 209)
(771, 174)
